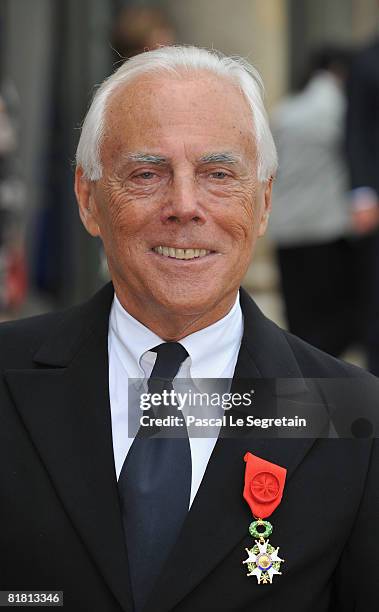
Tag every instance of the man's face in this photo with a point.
(179, 207)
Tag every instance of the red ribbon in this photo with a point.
(264, 485)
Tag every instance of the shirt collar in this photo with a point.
(132, 337)
(209, 348)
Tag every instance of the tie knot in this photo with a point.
(170, 356)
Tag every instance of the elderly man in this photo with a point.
(174, 174)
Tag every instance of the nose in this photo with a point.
(182, 204)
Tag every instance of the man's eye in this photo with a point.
(146, 175)
(219, 175)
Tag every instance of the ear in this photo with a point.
(86, 201)
(267, 196)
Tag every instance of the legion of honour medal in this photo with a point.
(263, 491)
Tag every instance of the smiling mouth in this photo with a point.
(181, 253)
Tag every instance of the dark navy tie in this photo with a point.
(155, 484)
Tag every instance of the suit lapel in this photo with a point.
(67, 413)
(219, 517)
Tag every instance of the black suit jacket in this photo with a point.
(60, 523)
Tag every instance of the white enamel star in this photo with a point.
(254, 558)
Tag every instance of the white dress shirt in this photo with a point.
(213, 353)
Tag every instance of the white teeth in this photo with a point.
(180, 253)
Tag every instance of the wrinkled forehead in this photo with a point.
(194, 106)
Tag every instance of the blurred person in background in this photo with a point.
(12, 256)
(141, 28)
(362, 140)
(310, 223)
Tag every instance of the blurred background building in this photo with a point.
(52, 53)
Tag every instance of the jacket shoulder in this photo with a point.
(21, 338)
(315, 363)
(55, 338)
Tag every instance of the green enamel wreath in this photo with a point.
(260, 534)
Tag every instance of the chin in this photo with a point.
(186, 301)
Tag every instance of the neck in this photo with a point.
(170, 325)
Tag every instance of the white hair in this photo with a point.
(176, 60)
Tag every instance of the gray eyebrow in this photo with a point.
(223, 158)
(147, 158)
(209, 158)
